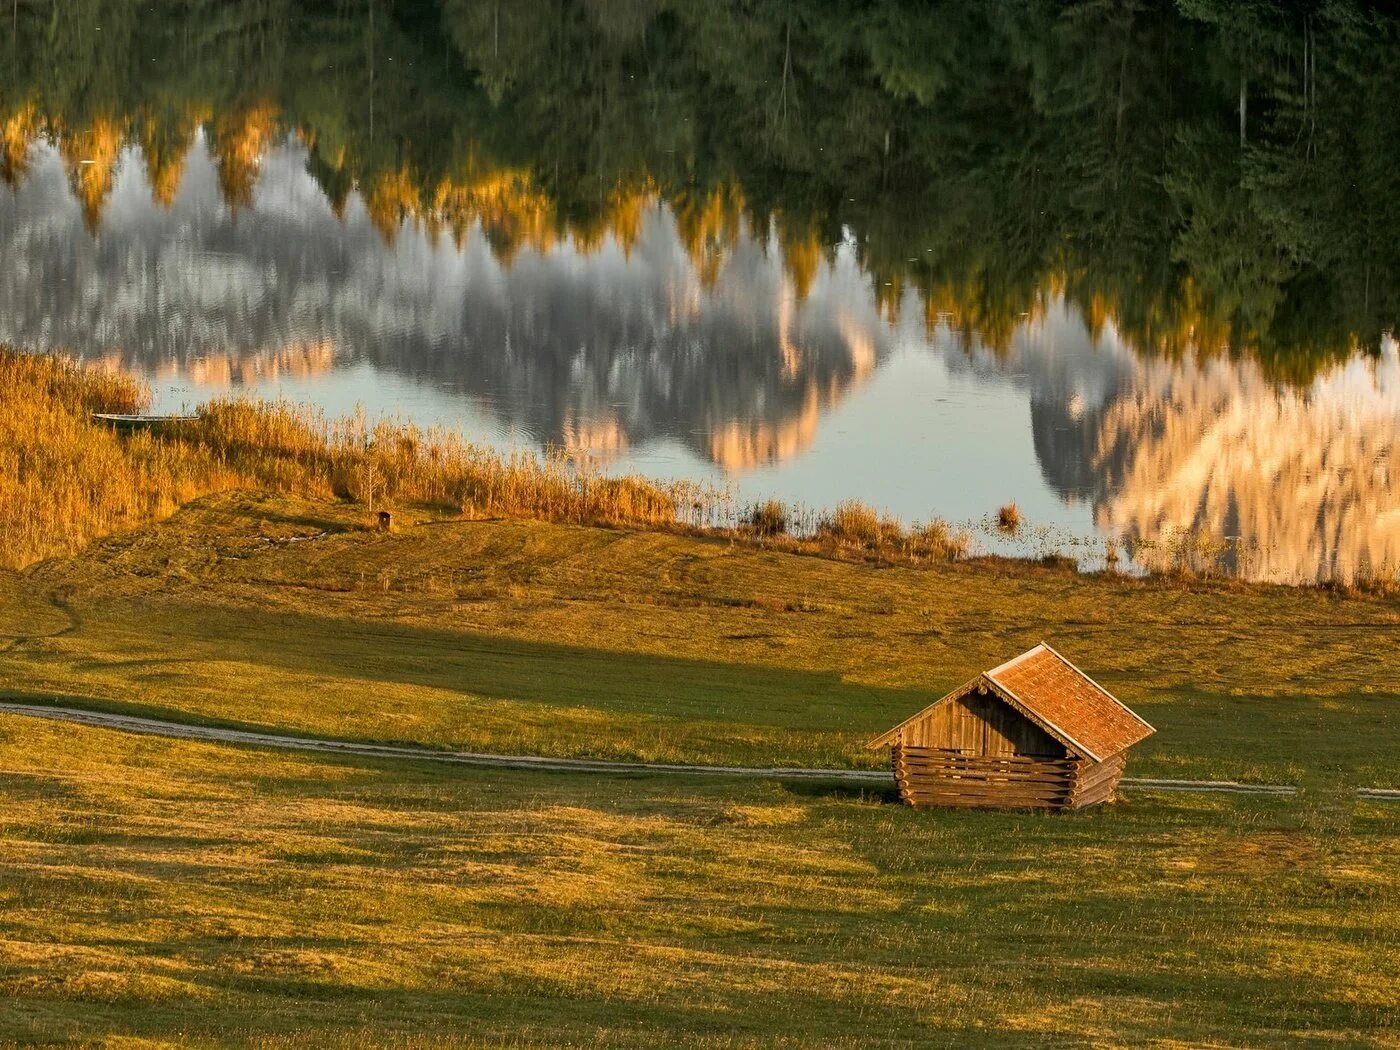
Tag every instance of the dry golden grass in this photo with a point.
(768, 518)
(854, 524)
(284, 447)
(935, 540)
(66, 479)
(1009, 518)
(523, 636)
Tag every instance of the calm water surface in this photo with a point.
(933, 261)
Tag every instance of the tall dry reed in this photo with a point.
(854, 524)
(66, 479)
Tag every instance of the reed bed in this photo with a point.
(854, 524)
(284, 446)
(66, 479)
(936, 541)
(769, 518)
(1009, 518)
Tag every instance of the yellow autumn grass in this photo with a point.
(519, 636)
(196, 894)
(66, 479)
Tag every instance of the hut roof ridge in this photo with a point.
(1032, 651)
(1053, 693)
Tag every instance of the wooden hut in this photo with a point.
(1036, 732)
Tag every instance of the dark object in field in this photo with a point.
(119, 421)
(385, 521)
(1034, 733)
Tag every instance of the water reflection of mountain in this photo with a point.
(656, 335)
(602, 349)
(1304, 476)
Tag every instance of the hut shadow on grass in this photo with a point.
(839, 791)
(677, 690)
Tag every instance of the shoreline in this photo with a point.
(81, 479)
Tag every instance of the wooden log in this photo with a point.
(998, 798)
(967, 802)
(1100, 792)
(990, 756)
(930, 776)
(991, 763)
(1110, 770)
(1062, 794)
(934, 777)
(1098, 785)
(1010, 761)
(987, 764)
(991, 783)
(931, 790)
(998, 776)
(982, 784)
(1024, 779)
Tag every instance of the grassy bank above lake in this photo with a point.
(67, 478)
(524, 636)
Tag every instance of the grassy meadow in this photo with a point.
(523, 636)
(157, 892)
(173, 893)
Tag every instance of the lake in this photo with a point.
(1135, 268)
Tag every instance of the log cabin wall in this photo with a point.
(929, 776)
(975, 750)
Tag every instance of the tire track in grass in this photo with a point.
(215, 734)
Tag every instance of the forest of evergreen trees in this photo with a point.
(1206, 175)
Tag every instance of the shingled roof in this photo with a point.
(1058, 697)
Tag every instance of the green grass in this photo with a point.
(156, 892)
(565, 640)
(194, 894)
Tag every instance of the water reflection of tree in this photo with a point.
(1208, 177)
(631, 348)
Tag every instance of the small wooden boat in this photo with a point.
(119, 421)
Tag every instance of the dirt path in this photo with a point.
(181, 731)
